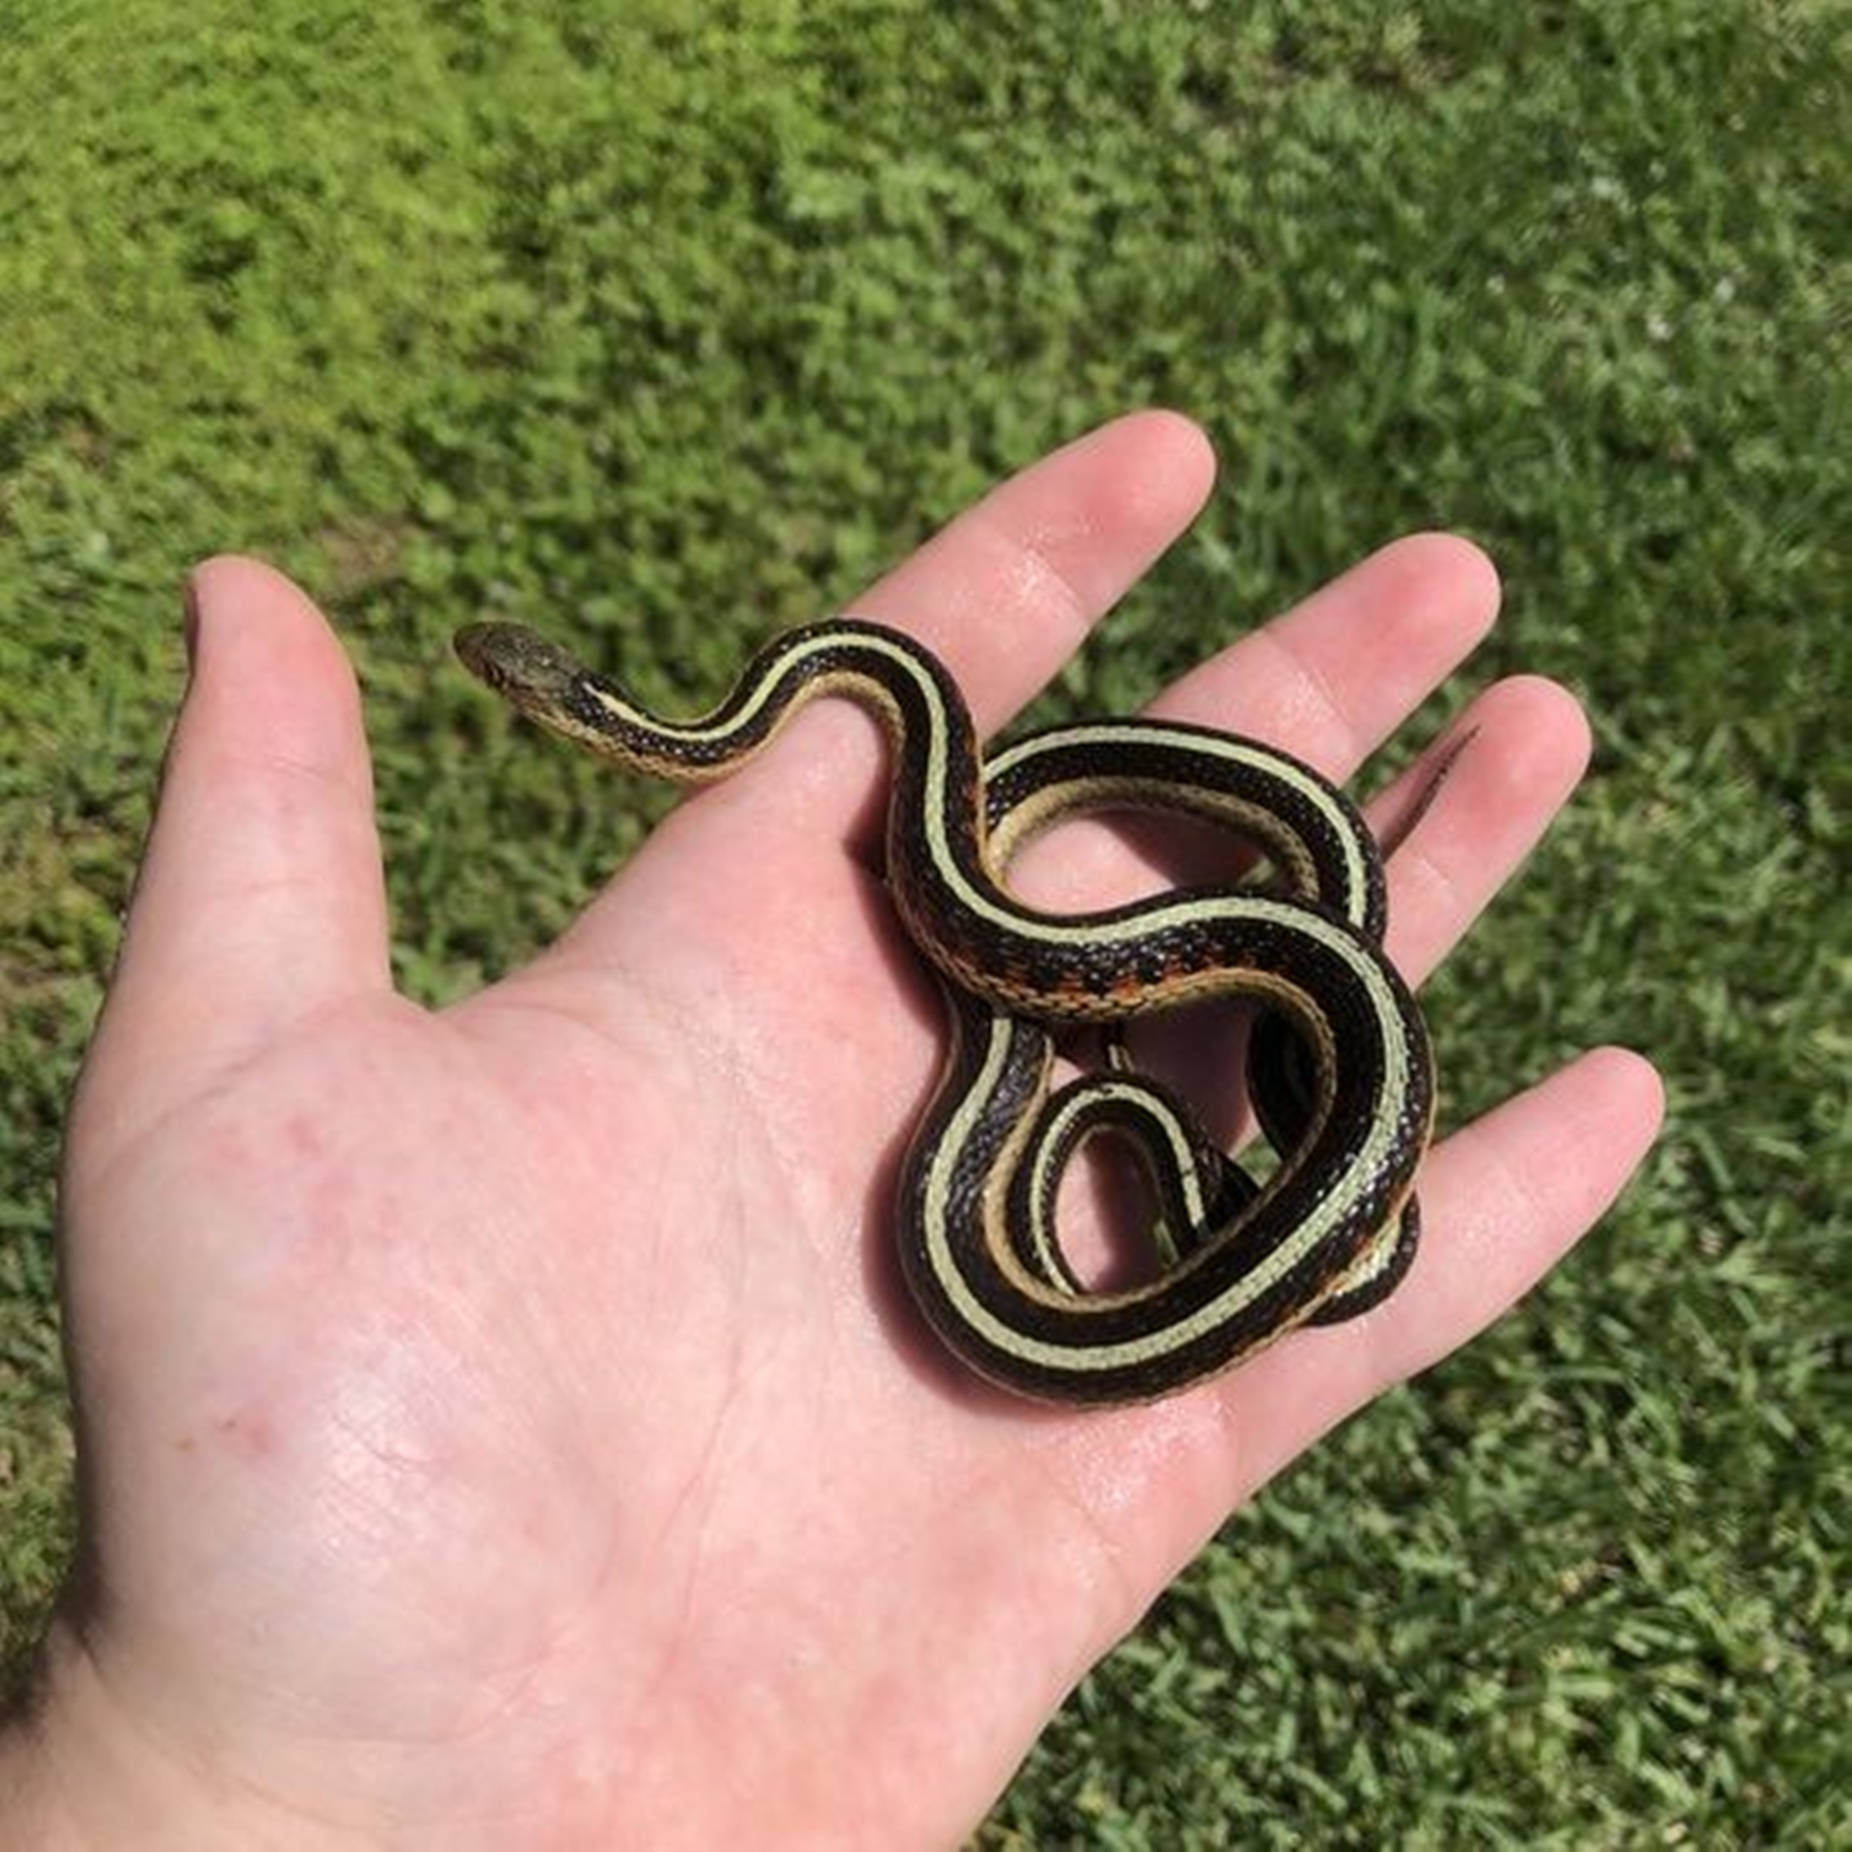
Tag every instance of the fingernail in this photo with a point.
(189, 608)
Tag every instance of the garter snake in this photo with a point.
(1340, 1066)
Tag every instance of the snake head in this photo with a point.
(531, 673)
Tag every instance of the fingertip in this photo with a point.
(1548, 693)
(239, 608)
(1098, 511)
(1463, 819)
(1543, 734)
(1187, 452)
(1464, 567)
(272, 689)
(1345, 666)
(1444, 590)
(243, 568)
(1631, 1082)
(224, 581)
(1006, 591)
(260, 893)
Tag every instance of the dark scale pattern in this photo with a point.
(1191, 945)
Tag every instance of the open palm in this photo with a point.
(500, 1426)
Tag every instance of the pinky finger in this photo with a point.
(1501, 1202)
(1507, 1196)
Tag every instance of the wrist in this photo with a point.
(80, 1772)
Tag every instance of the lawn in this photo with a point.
(673, 324)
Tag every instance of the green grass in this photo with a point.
(676, 324)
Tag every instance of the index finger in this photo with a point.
(1002, 595)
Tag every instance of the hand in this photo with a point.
(498, 1426)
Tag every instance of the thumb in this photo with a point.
(260, 898)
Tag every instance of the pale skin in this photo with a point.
(499, 1426)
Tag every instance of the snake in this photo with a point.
(1340, 1067)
